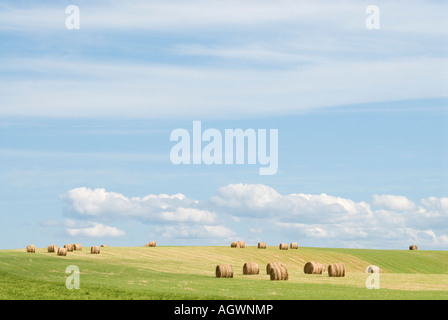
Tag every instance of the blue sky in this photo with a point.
(86, 116)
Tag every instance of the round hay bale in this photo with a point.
(294, 245)
(31, 248)
(52, 248)
(146, 244)
(336, 270)
(69, 247)
(279, 272)
(235, 244)
(95, 250)
(62, 251)
(261, 245)
(373, 269)
(283, 246)
(242, 244)
(270, 265)
(224, 271)
(251, 268)
(77, 246)
(314, 268)
(152, 243)
(413, 247)
(106, 245)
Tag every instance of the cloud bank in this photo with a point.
(256, 212)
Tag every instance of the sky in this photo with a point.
(86, 117)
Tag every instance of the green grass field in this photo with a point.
(189, 273)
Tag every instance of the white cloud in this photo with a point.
(245, 196)
(258, 212)
(256, 200)
(434, 207)
(97, 230)
(393, 202)
(443, 240)
(105, 205)
(216, 232)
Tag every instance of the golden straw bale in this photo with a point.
(294, 245)
(261, 245)
(77, 246)
(373, 269)
(413, 247)
(95, 250)
(242, 244)
(224, 271)
(283, 246)
(152, 243)
(270, 265)
(336, 270)
(251, 268)
(313, 268)
(31, 248)
(62, 251)
(235, 244)
(279, 272)
(52, 248)
(69, 247)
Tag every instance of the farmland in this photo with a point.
(169, 272)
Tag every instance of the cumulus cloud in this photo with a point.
(263, 201)
(393, 202)
(198, 232)
(389, 220)
(101, 204)
(97, 230)
(258, 212)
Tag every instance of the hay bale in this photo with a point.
(261, 245)
(373, 269)
(77, 246)
(224, 271)
(146, 244)
(294, 245)
(279, 272)
(270, 265)
(52, 248)
(413, 247)
(242, 244)
(152, 243)
(336, 270)
(31, 248)
(283, 246)
(314, 268)
(62, 251)
(251, 268)
(235, 244)
(69, 247)
(95, 250)
(106, 245)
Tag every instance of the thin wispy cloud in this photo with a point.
(301, 55)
